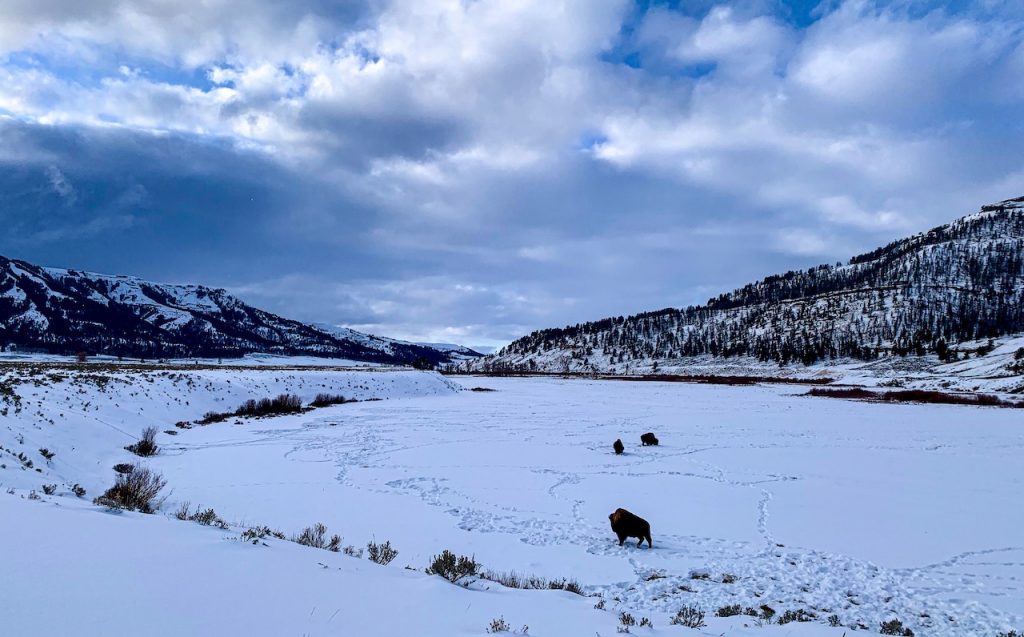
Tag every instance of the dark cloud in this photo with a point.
(471, 171)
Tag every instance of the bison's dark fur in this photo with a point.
(648, 439)
(618, 447)
(625, 524)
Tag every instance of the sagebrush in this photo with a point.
(453, 567)
(146, 446)
(137, 490)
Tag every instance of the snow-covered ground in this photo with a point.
(86, 415)
(865, 511)
(997, 371)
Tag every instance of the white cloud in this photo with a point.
(802, 242)
(61, 185)
(448, 134)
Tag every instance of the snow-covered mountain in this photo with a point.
(454, 353)
(65, 311)
(958, 283)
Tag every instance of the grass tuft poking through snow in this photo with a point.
(512, 579)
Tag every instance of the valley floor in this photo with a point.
(756, 496)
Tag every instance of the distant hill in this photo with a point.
(67, 311)
(959, 282)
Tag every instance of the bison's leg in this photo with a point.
(622, 538)
(648, 538)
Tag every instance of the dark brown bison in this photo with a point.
(648, 439)
(625, 524)
(618, 447)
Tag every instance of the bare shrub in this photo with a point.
(135, 491)
(626, 620)
(257, 534)
(569, 585)
(47, 454)
(499, 625)
(252, 408)
(146, 446)
(208, 517)
(49, 489)
(211, 417)
(917, 396)
(326, 400)
(78, 490)
(281, 404)
(184, 511)
(316, 536)
(844, 392)
(729, 611)
(688, 616)
(895, 627)
(381, 553)
(453, 567)
(123, 467)
(798, 615)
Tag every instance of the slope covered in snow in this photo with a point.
(927, 294)
(455, 353)
(66, 311)
(756, 496)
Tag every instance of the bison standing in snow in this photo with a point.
(618, 446)
(648, 439)
(625, 524)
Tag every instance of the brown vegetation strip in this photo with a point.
(916, 396)
(710, 379)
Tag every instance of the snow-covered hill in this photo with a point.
(933, 293)
(66, 311)
(395, 347)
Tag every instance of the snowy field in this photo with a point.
(756, 496)
(987, 366)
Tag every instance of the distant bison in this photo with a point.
(625, 524)
(649, 439)
(618, 447)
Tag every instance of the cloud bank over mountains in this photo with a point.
(469, 171)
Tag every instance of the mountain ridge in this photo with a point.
(63, 311)
(958, 282)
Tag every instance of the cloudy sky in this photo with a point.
(469, 170)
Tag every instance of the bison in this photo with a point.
(625, 524)
(648, 439)
(618, 447)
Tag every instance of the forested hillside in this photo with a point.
(959, 282)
